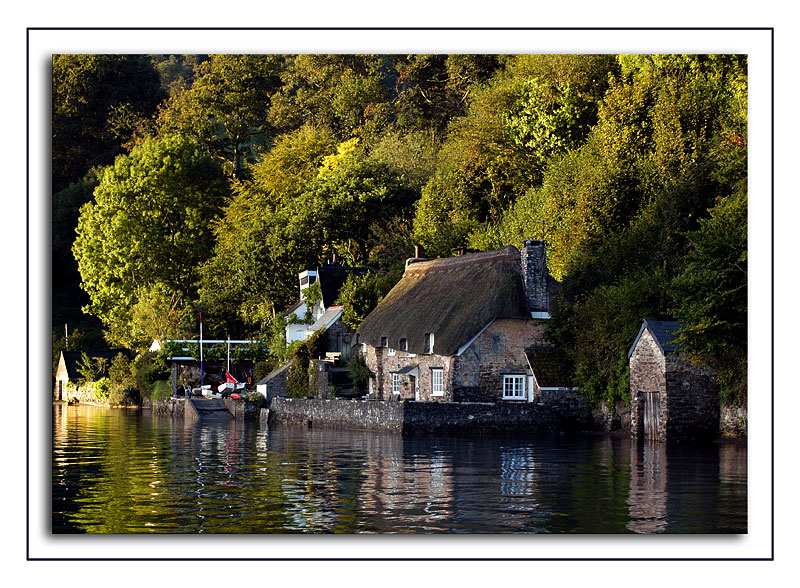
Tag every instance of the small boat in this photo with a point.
(229, 387)
(237, 396)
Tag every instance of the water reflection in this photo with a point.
(648, 494)
(117, 471)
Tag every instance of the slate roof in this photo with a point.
(550, 368)
(664, 333)
(327, 319)
(453, 298)
(275, 372)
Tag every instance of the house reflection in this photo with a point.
(402, 484)
(647, 499)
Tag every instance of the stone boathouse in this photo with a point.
(457, 329)
(671, 398)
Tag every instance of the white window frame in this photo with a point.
(437, 373)
(516, 384)
(429, 343)
(403, 344)
(391, 351)
(395, 383)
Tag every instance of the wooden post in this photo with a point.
(174, 378)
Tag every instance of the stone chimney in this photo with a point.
(534, 277)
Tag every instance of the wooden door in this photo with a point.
(652, 412)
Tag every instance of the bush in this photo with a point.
(147, 368)
(161, 390)
(298, 383)
(101, 389)
(359, 373)
(124, 397)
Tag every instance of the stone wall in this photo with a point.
(243, 409)
(499, 350)
(345, 414)
(569, 405)
(412, 416)
(382, 361)
(733, 421)
(693, 399)
(175, 407)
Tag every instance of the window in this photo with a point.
(395, 383)
(392, 351)
(437, 382)
(384, 341)
(514, 387)
(428, 342)
(403, 344)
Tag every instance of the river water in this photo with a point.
(128, 471)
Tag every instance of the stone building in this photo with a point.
(671, 398)
(457, 329)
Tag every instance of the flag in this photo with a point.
(229, 379)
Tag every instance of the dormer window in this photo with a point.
(428, 342)
(403, 344)
(384, 341)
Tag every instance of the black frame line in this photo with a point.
(424, 559)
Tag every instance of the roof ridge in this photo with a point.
(447, 263)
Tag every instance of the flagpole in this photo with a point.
(201, 351)
(228, 369)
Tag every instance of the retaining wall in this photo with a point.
(413, 416)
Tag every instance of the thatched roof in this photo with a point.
(452, 298)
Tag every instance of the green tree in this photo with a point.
(226, 107)
(344, 93)
(87, 91)
(360, 294)
(711, 295)
(150, 224)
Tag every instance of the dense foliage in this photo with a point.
(235, 172)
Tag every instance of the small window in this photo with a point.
(514, 387)
(395, 383)
(384, 341)
(428, 342)
(403, 344)
(392, 351)
(437, 382)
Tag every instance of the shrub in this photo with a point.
(101, 389)
(359, 373)
(161, 390)
(147, 368)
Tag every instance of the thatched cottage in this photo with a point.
(670, 396)
(457, 329)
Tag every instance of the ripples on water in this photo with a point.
(127, 471)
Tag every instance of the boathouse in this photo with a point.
(671, 398)
(457, 329)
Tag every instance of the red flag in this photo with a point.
(229, 379)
